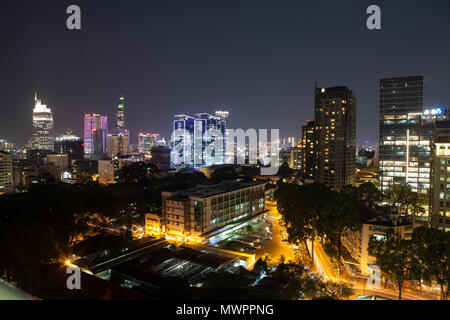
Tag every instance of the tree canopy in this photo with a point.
(313, 210)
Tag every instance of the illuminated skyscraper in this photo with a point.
(199, 141)
(223, 115)
(95, 131)
(295, 157)
(224, 124)
(5, 146)
(146, 141)
(203, 124)
(440, 186)
(405, 136)
(308, 157)
(182, 154)
(42, 138)
(71, 145)
(335, 132)
(120, 114)
(6, 173)
(118, 143)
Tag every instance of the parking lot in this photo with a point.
(263, 237)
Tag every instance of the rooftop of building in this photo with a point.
(67, 138)
(334, 92)
(417, 77)
(333, 89)
(52, 285)
(380, 216)
(206, 191)
(182, 117)
(165, 261)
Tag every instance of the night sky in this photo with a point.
(257, 59)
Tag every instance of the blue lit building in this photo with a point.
(215, 137)
(199, 141)
(182, 140)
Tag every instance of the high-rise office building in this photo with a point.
(295, 157)
(308, 157)
(229, 145)
(182, 154)
(71, 145)
(146, 141)
(223, 115)
(440, 176)
(42, 138)
(203, 124)
(287, 143)
(6, 173)
(199, 141)
(120, 114)
(405, 137)
(118, 143)
(335, 131)
(6, 146)
(161, 157)
(95, 134)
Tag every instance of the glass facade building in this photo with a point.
(182, 154)
(95, 135)
(440, 195)
(146, 141)
(405, 135)
(42, 138)
(209, 132)
(199, 141)
(70, 145)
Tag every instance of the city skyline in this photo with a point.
(225, 150)
(171, 63)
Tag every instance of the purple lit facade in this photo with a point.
(95, 135)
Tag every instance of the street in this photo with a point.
(322, 264)
(276, 247)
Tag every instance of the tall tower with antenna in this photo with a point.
(120, 114)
